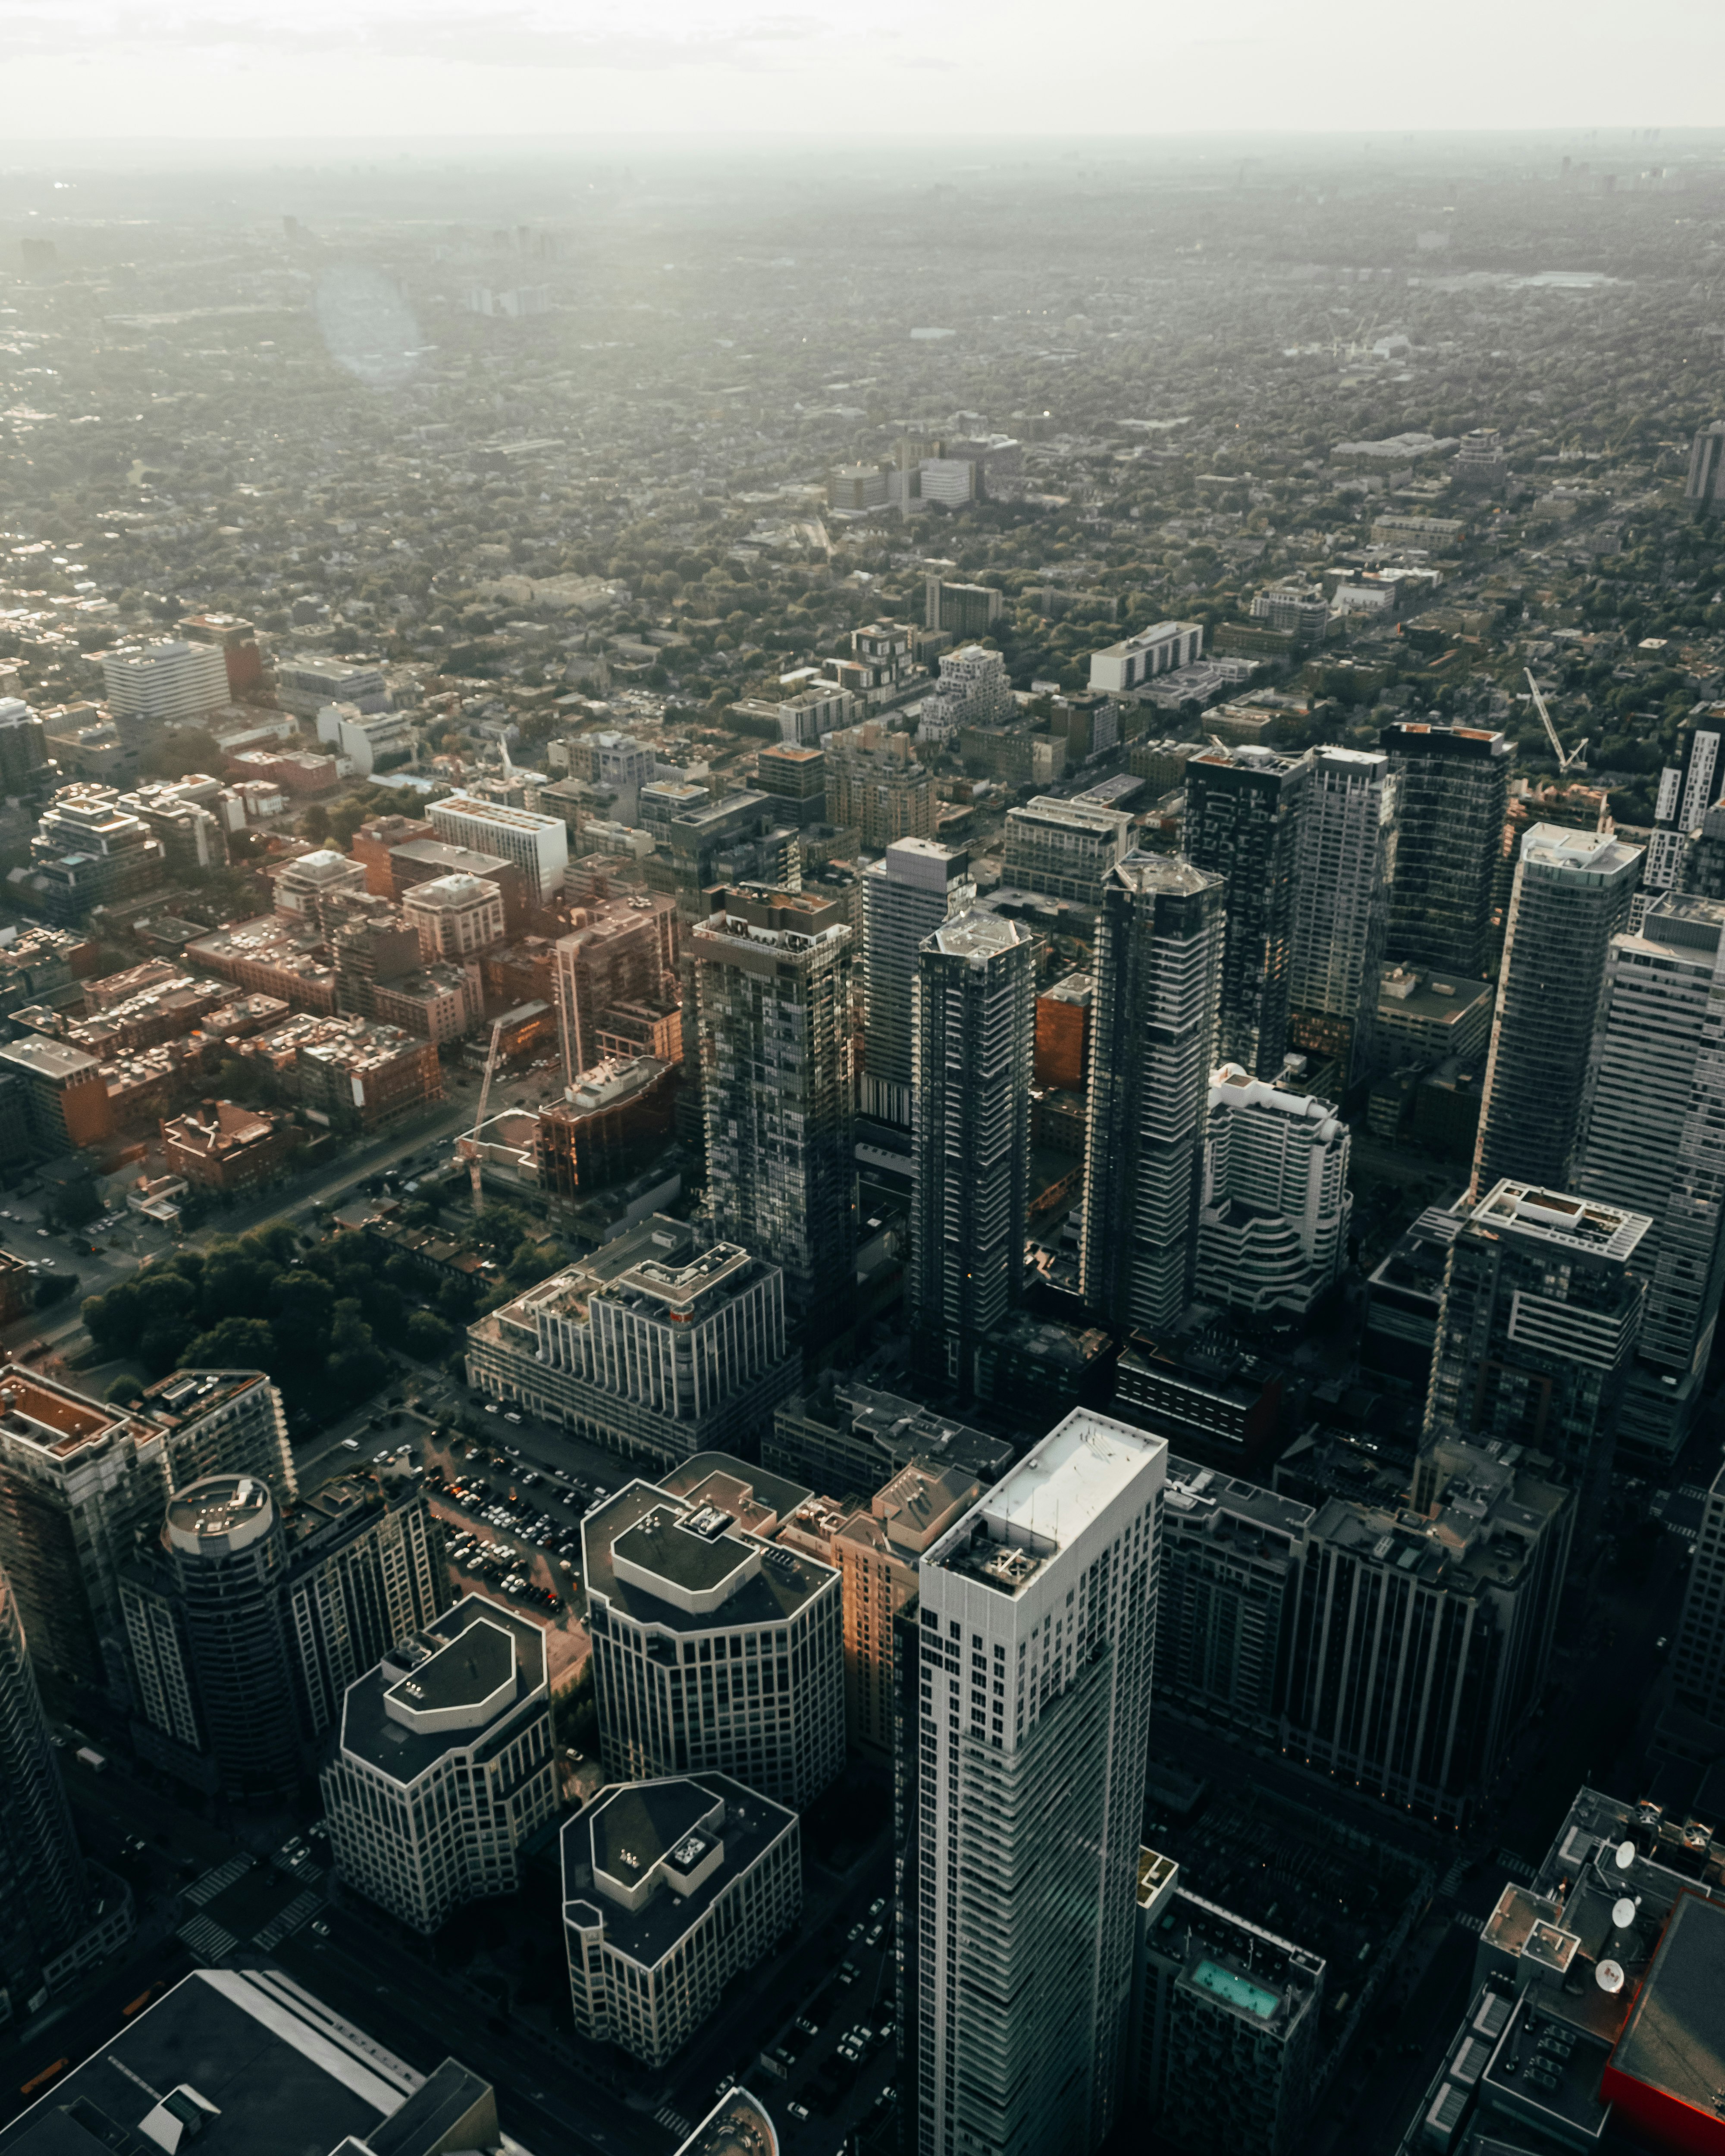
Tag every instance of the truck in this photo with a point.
(94, 1760)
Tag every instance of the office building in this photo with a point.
(906, 898)
(773, 988)
(793, 777)
(312, 887)
(621, 952)
(249, 1618)
(878, 1554)
(1572, 895)
(43, 1889)
(1244, 809)
(227, 1557)
(1704, 483)
(608, 1126)
(1453, 784)
(27, 772)
(1426, 1018)
(1538, 1328)
(1653, 1102)
(715, 1648)
(248, 2062)
(457, 917)
(1698, 1647)
(975, 1018)
(1272, 1234)
(1064, 849)
(443, 1770)
(1031, 1752)
(656, 1346)
(672, 1888)
(1158, 961)
(307, 680)
(412, 862)
(1342, 907)
(965, 610)
(876, 788)
(1442, 1616)
(88, 851)
(1226, 1594)
(63, 1093)
(1403, 1298)
(1224, 2022)
(1136, 660)
(538, 846)
(852, 1439)
(172, 682)
(1687, 789)
(83, 1486)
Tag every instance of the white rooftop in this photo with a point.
(1067, 1481)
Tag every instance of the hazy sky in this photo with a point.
(359, 70)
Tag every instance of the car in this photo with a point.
(877, 1905)
(510, 1415)
(350, 1445)
(798, 2110)
(322, 1928)
(848, 1972)
(874, 1935)
(853, 1935)
(43, 1233)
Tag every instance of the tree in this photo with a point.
(237, 1343)
(125, 1387)
(314, 823)
(429, 1338)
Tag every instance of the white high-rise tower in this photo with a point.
(1037, 1639)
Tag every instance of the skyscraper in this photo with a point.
(1244, 808)
(1698, 1654)
(906, 898)
(42, 1892)
(1420, 1643)
(443, 1771)
(1454, 787)
(1158, 960)
(1704, 483)
(714, 1648)
(1036, 1636)
(1572, 895)
(975, 1008)
(1653, 1140)
(1272, 1234)
(1348, 838)
(773, 986)
(1537, 1324)
(83, 1486)
(1687, 789)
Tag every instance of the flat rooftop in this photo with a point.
(374, 1733)
(470, 1669)
(772, 1584)
(631, 1826)
(1059, 1488)
(53, 1417)
(286, 2076)
(1579, 1224)
(1674, 2040)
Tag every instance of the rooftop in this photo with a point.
(670, 1562)
(670, 1848)
(270, 2070)
(1576, 1223)
(1059, 1488)
(1558, 847)
(978, 937)
(52, 1417)
(404, 1735)
(228, 1509)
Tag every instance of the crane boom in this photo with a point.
(479, 1188)
(1577, 757)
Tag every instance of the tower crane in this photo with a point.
(479, 1120)
(1576, 759)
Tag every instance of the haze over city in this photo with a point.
(862, 971)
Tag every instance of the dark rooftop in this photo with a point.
(1674, 2040)
(285, 2075)
(371, 1733)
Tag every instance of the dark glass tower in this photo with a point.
(1243, 813)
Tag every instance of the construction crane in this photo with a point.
(473, 1149)
(1576, 760)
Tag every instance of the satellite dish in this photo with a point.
(1622, 1913)
(1625, 1855)
(1609, 1976)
